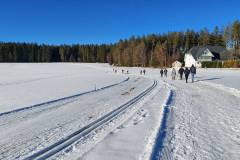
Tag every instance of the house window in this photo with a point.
(205, 58)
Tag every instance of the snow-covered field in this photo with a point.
(174, 120)
(226, 77)
(27, 84)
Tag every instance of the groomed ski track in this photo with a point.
(66, 99)
(76, 136)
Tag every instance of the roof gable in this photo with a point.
(212, 51)
(207, 52)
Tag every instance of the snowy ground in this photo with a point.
(203, 123)
(27, 84)
(226, 77)
(204, 118)
(189, 121)
(123, 143)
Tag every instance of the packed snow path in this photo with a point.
(76, 136)
(203, 123)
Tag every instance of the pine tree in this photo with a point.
(204, 37)
(236, 34)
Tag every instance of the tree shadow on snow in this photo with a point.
(208, 79)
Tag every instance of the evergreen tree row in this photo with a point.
(25, 52)
(152, 50)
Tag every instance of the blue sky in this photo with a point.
(107, 21)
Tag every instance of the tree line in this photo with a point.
(32, 52)
(151, 50)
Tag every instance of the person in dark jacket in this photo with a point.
(161, 72)
(144, 71)
(180, 71)
(186, 72)
(193, 72)
(165, 72)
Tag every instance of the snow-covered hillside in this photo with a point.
(136, 118)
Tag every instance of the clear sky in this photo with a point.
(106, 21)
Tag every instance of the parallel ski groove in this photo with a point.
(67, 141)
(60, 99)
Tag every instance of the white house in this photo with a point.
(176, 64)
(199, 54)
(190, 60)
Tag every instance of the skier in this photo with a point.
(193, 72)
(127, 72)
(165, 72)
(144, 71)
(180, 71)
(161, 72)
(122, 71)
(141, 72)
(186, 72)
(173, 74)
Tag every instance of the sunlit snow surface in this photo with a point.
(202, 121)
(27, 84)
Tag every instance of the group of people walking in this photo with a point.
(164, 73)
(123, 71)
(185, 71)
(143, 72)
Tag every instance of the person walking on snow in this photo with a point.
(161, 72)
(180, 71)
(165, 72)
(173, 74)
(193, 72)
(186, 72)
(144, 71)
